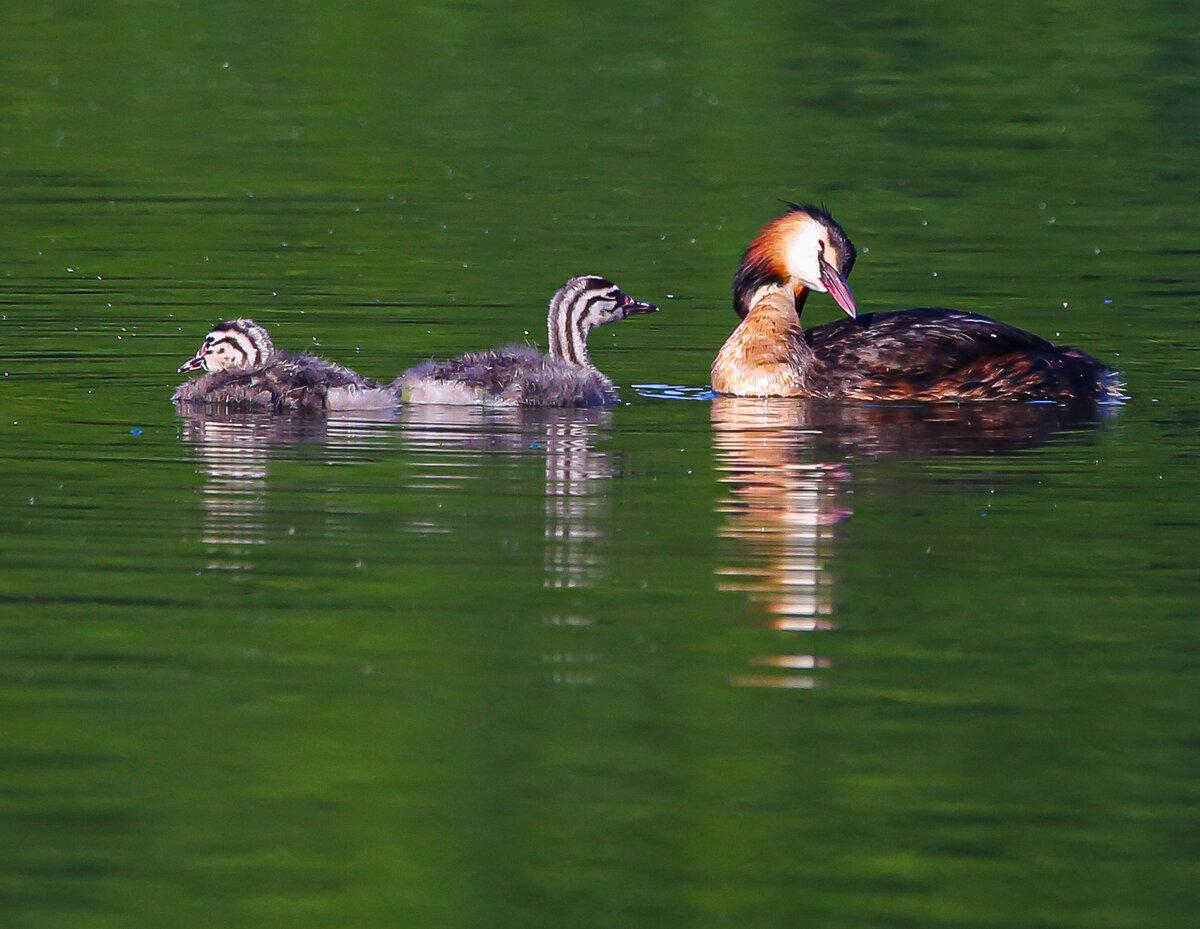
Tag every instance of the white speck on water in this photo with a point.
(670, 296)
(924, 222)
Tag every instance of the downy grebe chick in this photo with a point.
(244, 371)
(920, 354)
(520, 375)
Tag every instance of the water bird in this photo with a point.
(244, 370)
(520, 375)
(929, 353)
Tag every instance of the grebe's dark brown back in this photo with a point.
(921, 354)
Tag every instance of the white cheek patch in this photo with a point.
(803, 247)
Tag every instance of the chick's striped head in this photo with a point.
(234, 345)
(580, 305)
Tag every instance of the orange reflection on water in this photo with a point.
(781, 516)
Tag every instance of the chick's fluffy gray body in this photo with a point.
(515, 375)
(286, 383)
(520, 375)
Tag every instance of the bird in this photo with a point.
(243, 370)
(922, 354)
(520, 375)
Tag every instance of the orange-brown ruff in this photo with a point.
(928, 353)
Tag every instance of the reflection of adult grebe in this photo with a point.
(921, 354)
(245, 371)
(782, 461)
(782, 511)
(519, 375)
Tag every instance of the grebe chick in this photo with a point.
(244, 371)
(520, 375)
(920, 354)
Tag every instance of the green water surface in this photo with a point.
(683, 662)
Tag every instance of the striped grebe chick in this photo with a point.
(520, 375)
(928, 353)
(244, 370)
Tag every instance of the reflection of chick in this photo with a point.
(519, 375)
(245, 371)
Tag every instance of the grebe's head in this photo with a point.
(581, 304)
(596, 301)
(234, 345)
(804, 249)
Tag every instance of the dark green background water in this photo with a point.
(680, 663)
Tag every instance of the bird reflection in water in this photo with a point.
(233, 452)
(578, 479)
(785, 461)
(781, 513)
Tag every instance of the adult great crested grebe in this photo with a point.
(920, 354)
(244, 371)
(520, 375)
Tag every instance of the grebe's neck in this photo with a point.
(778, 299)
(568, 324)
(766, 355)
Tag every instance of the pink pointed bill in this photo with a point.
(837, 288)
(192, 364)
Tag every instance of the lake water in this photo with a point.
(684, 662)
